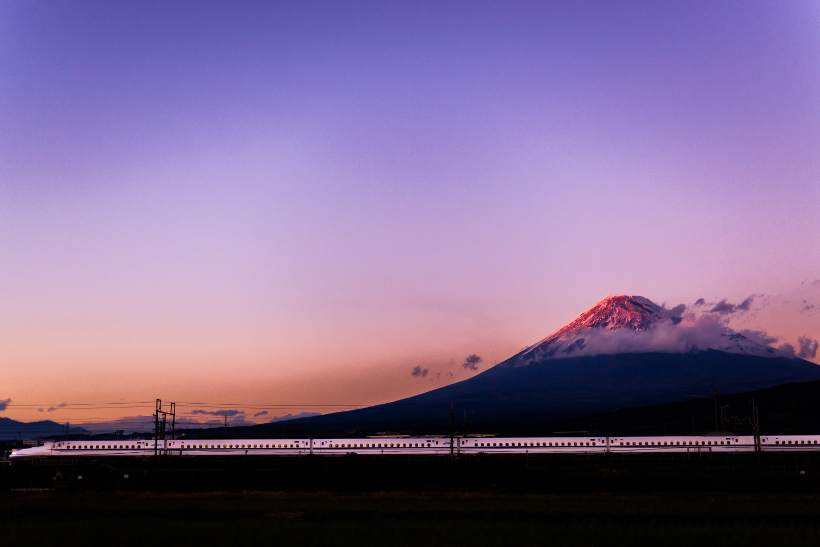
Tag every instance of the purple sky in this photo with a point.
(299, 202)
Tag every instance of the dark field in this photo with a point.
(396, 518)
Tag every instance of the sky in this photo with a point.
(287, 207)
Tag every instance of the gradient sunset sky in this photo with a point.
(295, 203)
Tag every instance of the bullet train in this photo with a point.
(725, 443)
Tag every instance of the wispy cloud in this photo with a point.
(725, 308)
(228, 413)
(419, 372)
(4, 404)
(263, 413)
(54, 408)
(808, 347)
(471, 362)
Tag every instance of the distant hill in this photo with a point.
(11, 429)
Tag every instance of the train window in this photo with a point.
(802, 442)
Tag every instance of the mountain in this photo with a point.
(12, 429)
(624, 324)
(625, 351)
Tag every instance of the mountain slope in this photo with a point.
(624, 351)
(581, 385)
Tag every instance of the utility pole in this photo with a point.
(159, 424)
(156, 429)
(225, 428)
(173, 420)
(452, 428)
(715, 395)
(465, 423)
(756, 429)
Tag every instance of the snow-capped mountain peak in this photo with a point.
(615, 312)
(634, 324)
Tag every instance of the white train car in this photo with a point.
(533, 445)
(790, 443)
(682, 444)
(424, 446)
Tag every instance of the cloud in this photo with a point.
(419, 372)
(758, 336)
(692, 332)
(263, 413)
(471, 362)
(228, 413)
(808, 347)
(678, 310)
(786, 350)
(4, 404)
(700, 302)
(725, 308)
(744, 306)
(53, 408)
(40, 410)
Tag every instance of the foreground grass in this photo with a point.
(408, 519)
